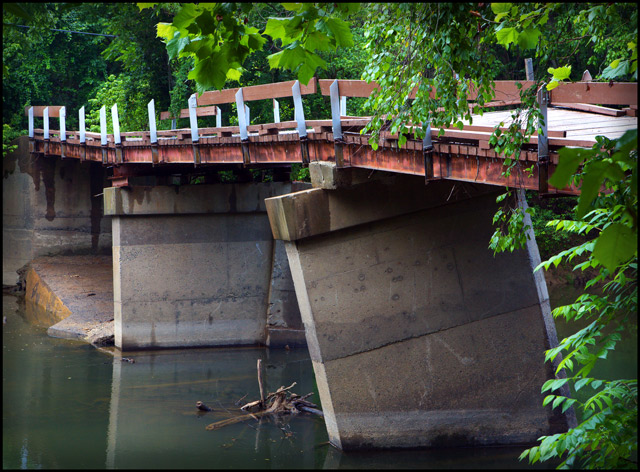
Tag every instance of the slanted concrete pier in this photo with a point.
(192, 266)
(418, 335)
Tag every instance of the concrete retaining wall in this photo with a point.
(49, 207)
(418, 335)
(192, 266)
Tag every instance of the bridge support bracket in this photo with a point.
(105, 157)
(304, 150)
(46, 146)
(428, 164)
(543, 174)
(246, 157)
(196, 154)
(62, 156)
(32, 145)
(119, 154)
(83, 152)
(338, 147)
(154, 154)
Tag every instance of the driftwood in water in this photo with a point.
(282, 401)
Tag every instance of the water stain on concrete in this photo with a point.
(96, 184)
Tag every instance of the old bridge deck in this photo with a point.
(458, 154)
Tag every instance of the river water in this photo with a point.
(69, 405)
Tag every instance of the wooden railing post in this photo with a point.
(336, 125)
(116, 134)
(427, 151)
(543, 141)
(103, 134)
(82, 133)
(45, 118)
(528, 66)
(63, 130)
(31, 133)
(242, 124)
(153, 133)
(302, 125)
(193, 119)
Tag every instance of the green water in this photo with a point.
(69, 405)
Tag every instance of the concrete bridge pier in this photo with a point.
(419, 337)
(196, 266)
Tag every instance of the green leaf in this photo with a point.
(567, 404)
(528, 39)
(581, 383)
(275, 27)
(142, 6)
(548, 399)
(560, 73)
(166, 31)
(291, 6)
(211, 71)
(615, 72)
(568, 161)
(592, 181)
(274, 59)
(615, 245)
(498, 8)
(341, 32)
(557, 402)
(553, 84)
(507, 36)
(176, 45)
(291, 57)
(185, 16)
(206, 23)
(305, 73)
(256, 41)
(318, 41)
(234, 74)
(628, 141)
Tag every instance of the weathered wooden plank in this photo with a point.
(184, 113)
(255, 92)
(348, 88)
(605, 93)
(593, 108)
(615, 93)
(54, 110)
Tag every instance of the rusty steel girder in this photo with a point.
(468, 162)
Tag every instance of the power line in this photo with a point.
(67, 31)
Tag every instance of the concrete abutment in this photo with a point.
(419, 336)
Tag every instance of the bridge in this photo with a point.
(417, 334)
(453, 154)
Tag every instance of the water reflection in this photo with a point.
(154, 422)
(68, 405)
